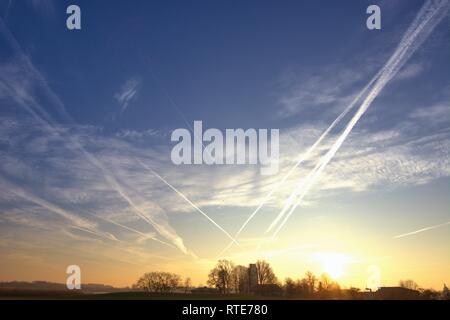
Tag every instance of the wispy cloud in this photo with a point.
(23, 96)
(429, 16)
(127, 93)
(113, 184)
(412, 70)
(439, 113)
(390, 158)
(77, 221)
(133, 134)
(330, 88)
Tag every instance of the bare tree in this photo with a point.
(265, 273)
(328, 288)
(187, 284)
(220, 276)
(409, 284)
(161, 282)
(325, 282)
(311, 281)
(240, 279)
(303, 288)
(290, 287)
(445, 293)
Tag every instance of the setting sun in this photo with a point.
(333, 264)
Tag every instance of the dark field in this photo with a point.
(65, 295)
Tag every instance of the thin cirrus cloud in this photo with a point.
(326, 88)
(426, 20)
(369, 159)
(436, 114)
(331, 88)
(388, 158)
(127, 93)
(412, 70)
(77, 222)
(391, 158)
(19, 88)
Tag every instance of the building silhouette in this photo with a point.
(252, 278)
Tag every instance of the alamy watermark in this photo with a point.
(74, 279)
(238, 147)
(374, 279)
(374, 20)
(73, 21)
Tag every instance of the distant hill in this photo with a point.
(44, 285)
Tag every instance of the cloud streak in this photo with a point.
(422, 230)
(190, 202)
(428, 17)
(127, 93)
(301, 159)
(26, 100)
(78, 222)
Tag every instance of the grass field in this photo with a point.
(132, 295)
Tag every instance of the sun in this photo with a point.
(332, 263)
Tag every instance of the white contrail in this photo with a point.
(322, 137)
(42, 117)
(78, 222)
(301, 159)
(411, 32)
(161, 229)
(188, 201)
(422, 230)
(146, 236)
(427, 19)
(315, 145)
(108, 235)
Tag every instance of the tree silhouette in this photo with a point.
(162, 282)
(220, 276)
(240, 279)
(328, 289)
(409, 284)
(290, 287)
(311, 281)
(187, 284)
(445, 293)
(265, 273)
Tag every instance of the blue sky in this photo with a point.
(82, 109)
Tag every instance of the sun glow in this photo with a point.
(333, 264)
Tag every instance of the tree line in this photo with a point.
(228, 278)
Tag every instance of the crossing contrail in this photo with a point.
(301, 159)
(306, 155)
(39, 114)
(422, 230)
(188, 201)
(426, 20)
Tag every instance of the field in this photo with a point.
(131, 295)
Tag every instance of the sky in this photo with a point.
(86, 119)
